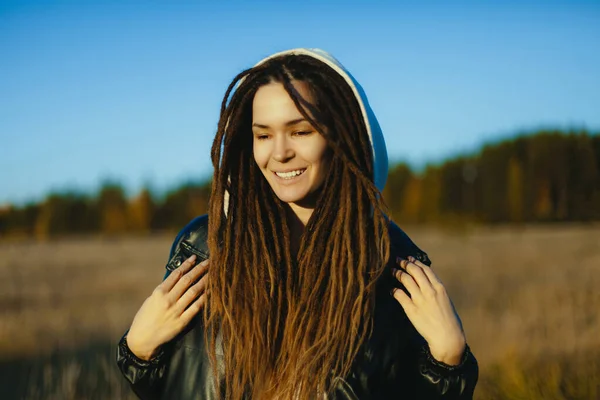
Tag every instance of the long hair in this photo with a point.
(289, 325)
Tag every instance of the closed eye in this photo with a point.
(302, 133)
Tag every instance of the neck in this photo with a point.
(300, 213)
(297, 217)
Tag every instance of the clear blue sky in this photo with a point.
(131, 90)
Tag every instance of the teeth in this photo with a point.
(291, 174)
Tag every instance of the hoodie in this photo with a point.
(380, 157)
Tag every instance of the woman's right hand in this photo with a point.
(169, 309)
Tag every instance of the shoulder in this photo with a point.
(195, 234)
(403, 246)
(192, 239)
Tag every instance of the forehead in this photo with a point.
(272, 103)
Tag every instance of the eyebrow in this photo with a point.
(289, 123)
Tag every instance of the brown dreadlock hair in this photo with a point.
(289, 325)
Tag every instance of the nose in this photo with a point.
(282, 150)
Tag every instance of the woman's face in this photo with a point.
(291, 154)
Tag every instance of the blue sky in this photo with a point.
(131, 90)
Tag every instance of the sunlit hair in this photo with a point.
(289, 325)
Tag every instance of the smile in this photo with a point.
(290, 174)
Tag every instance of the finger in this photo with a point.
(405, 301)
(408, 282)
(193, 309)
(187, 280)
(433, 278)
(174, 276)
(418, 275)
(191, 294)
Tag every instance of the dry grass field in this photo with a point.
(529, 298)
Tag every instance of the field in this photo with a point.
(529, 299)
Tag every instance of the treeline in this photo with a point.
(546, 176)
(109, 212)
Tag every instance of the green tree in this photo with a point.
(63, 214)
(141, 210)
(515, 190)
(432, 194)
(395, 188)
(112, 207)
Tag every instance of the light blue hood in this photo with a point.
(380, 157)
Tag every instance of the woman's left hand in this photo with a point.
(430, 310)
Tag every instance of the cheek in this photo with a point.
(321, 154)
(260, 154)
(323, 160)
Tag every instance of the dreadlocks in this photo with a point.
(290, 324)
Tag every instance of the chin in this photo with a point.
(303, 198)
(290, 198)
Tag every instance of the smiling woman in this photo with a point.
(311, 291)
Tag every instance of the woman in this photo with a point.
(311, 292)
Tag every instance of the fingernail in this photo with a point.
(411, 259)
(393, 291)
(192, 257)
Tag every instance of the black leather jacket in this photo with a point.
(395, 363)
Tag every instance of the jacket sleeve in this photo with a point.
(448, 382)
(431, 379)
(146, 377)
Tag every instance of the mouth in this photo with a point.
(289, 175)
